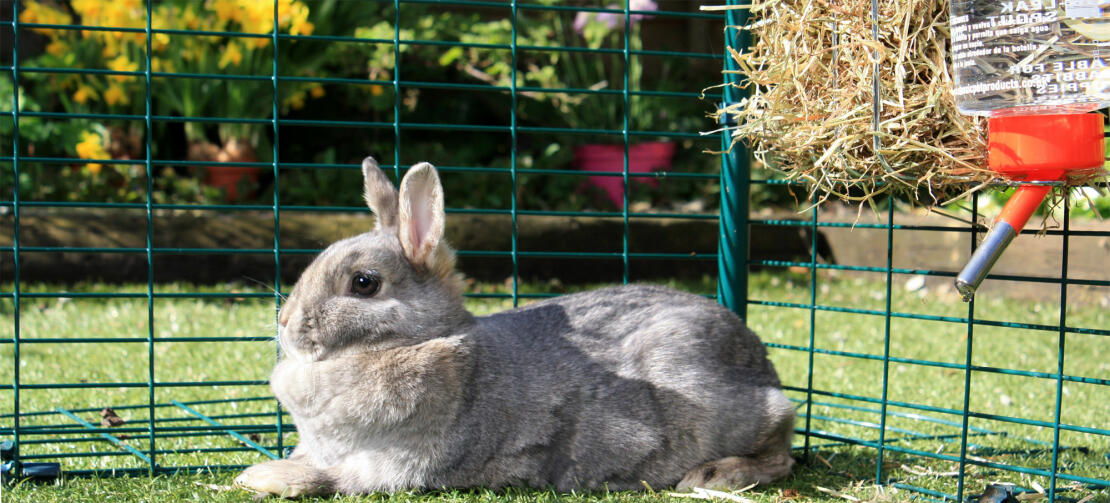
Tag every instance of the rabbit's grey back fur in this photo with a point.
(617, 386)
(393, 384)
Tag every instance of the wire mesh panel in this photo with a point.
(195, 156)
(935, 396)
(169, 167)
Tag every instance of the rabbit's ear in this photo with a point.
(421, 215)
(380, 194)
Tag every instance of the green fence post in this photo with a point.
(1060, 346)
(148, 112)
(732, 247)
(515, 182)
(274, 110)
(16, 466)
(968, 361)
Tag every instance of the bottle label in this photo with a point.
(1030, 54)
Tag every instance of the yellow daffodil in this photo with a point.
(87, 9)
(38, 13)
(160, 21)
(257, 17)
(298, 18)
(302, 28)
(84, 93)
(116, 13)
(232, 55)
(226, 10)
(91, 147)
(122, 64)
(162, 65)
(56, 47)
(115, 95)
(189, 18)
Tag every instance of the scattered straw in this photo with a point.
(214, 487)
(837, 494)
(925, 472)
(710, 494)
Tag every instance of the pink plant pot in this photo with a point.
(607, 158)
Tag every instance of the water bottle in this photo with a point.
(1035, 68)
(1016, 57)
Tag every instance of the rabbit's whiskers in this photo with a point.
(267, 286)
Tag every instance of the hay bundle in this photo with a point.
(810, 75)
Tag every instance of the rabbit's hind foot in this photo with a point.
(737, 472)
(286, 479)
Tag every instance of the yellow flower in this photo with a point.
(160, 22)
(111, 48)
(161, 65)
(129, 5)
(116, 13)
(37, 13)
(189, 18)
(122, 64)
(256, 42)
(84, 93)
(226, 10)
(257, 17)
(87, 9)
(295, 100)
(91, 147)
(56, 47)
(294, 15)
(298, 20)
(316, 91)
(302, 28)
(232, 55)
(115, 95)
(377, 90)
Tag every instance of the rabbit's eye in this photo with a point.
(365, 285)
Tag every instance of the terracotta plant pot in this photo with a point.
(227, 178)
(642, 158)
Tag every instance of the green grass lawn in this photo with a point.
(97, 341)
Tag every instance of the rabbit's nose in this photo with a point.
(283, 317)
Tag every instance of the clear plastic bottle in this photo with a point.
(1035, 67)
(1018, 57)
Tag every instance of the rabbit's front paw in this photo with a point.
(284, 478)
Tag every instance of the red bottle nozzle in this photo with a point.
(1021, 205)
(1034, 148)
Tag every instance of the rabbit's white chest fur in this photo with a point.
(376, 417)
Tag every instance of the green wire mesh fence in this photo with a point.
(937, 420)
(496, 94)
(148, 80)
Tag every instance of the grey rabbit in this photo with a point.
(394, 385)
